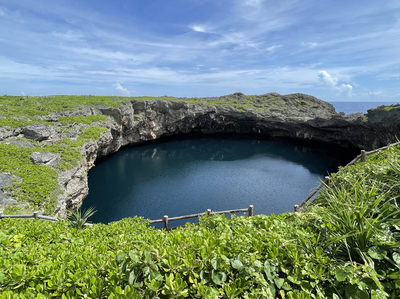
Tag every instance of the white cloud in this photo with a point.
(327, 79)
(272, 49)
(71, 21)
(12, 15)
(331, 82)
(122, 90)
(255, 3)
(199, 28)
(345, 89)
(70, 35)
(308, 44)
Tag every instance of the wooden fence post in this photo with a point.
(363, 156)
(327, 180)
(209, 212)
(166, 223)
(35, 214)
(251, 207)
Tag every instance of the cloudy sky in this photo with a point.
(335, 50)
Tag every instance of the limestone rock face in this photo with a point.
(316, 121)
(74, 184)
(5, 133)
(5, 198)
(22, 143)
(38, 132)
(45, 158)
(295, 116)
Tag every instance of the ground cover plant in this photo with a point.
(344, 246)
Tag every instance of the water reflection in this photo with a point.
(185, 176)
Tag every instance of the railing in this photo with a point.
(362, 157)
(166, 220)
(34, 215)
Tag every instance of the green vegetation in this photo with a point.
(78, 219)
(87, 120)
(38, 186)
(38, 183)
(241, 101)
(388, 108)
(34, 108)
(347, 245)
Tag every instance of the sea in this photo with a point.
(354, 107)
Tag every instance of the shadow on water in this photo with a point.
(188, 174)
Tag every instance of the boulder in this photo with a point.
(45, 158)
(5, 179)
(5, 133)
(21, 143)
(38, 132)
(5, 198)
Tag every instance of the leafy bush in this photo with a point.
(256, 257)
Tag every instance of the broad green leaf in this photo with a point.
(218, 277)
(214, 263)
(120, 257)
(236, 264)
(353, 292)
(133, 256)
(131, 278)
(294, 279)
(378, 294)
(279, 282)
(341, 275)
(377, 253)
(396, 258)
(394, 275)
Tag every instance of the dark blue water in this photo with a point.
(186, 176)
(354, 107)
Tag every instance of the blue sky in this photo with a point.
(333, 49)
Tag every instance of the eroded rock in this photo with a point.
(45, 158)
(6, 179)
(5, 133)
(17, 142)
(38, 132)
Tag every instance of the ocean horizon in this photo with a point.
(355, 107)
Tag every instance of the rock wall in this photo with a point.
(305, 118)
(138, 122)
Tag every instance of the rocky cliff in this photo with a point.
(138, 120)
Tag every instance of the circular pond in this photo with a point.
(186, 176)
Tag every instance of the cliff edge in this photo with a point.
(50, 143)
